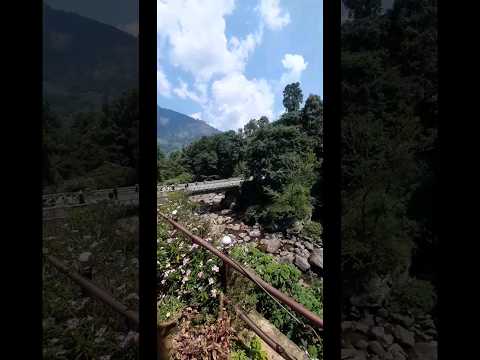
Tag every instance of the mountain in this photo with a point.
(85, 62)
(175, 130)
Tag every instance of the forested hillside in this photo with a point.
(283, 158)
(389, 154)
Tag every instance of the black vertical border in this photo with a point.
(147, 177)
(332, 199)
(22, 183)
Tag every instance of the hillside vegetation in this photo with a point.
(283, 158)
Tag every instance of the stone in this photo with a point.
(353, 354)
(404, 336)
(404, 320)
(302, 263)
(308, 245)
(362, 327)
(376, 348)
(255, 233)
(377, 332)
(302, 252)
(316, 258)
(361, 344)
(246, 238)
(85, 257)
(242, 235)
(287, 259)
(271, 245)
(425, 351)
(226, 211)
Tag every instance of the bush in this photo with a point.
(168, 308)
(416, 296)
(313, 230)
(286, 278)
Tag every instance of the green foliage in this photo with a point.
(168, 308)
(389, 146)
(78, 147)
(292, 97)
(286, 278)
(217, 156)
(186, 271)
(313, 230)
(239, 355)
(256, 351)
(417, 296)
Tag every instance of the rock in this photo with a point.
(302, 252)
(404, 336)
(377, 332)
(397, 351)
(361, 327)
(242, 235)
(255, 233)
(347, 325)
(246, 238)
(271, 245)
(383, 313)
(235, 227)
(361, 344)
(353, 354)
(376, 348)
(425, 351)
(226, 211)
(85, 257)
(406, 321)
(308, 245)
(302, 263)
(287, 258)
(316, 258)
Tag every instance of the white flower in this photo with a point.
(194, 246)
(215, 268)
(185, 261)
(200, 275)
(210, 281)
(167, 314)
(185, 279)
(209, 260)
(169, 240)
(174, 212)
(226, 240)
(188, 272)
(214, 292)
(162, 282)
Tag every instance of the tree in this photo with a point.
(363, 8)
(292, 97)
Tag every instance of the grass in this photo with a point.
(76, 326)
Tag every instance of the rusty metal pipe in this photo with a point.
(272, 343)
(95, 291)
(295, 306)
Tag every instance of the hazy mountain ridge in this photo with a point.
(175, 130)
(85, 62)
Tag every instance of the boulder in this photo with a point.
(302, 263)
(271, 245)
(316, 258)
(425, 351)
(404, 336)
(85, 257)
(288, 258)
(376, 348)
(255, 233)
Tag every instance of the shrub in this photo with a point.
(168, 308)
(417, 296)
(286, 278)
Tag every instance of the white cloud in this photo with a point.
(235, 100)
(184, 92)
(195, 33)
(294, 65)
(196, 115)
(163, 85)
(274, 17)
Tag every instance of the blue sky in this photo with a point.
(227, 61)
